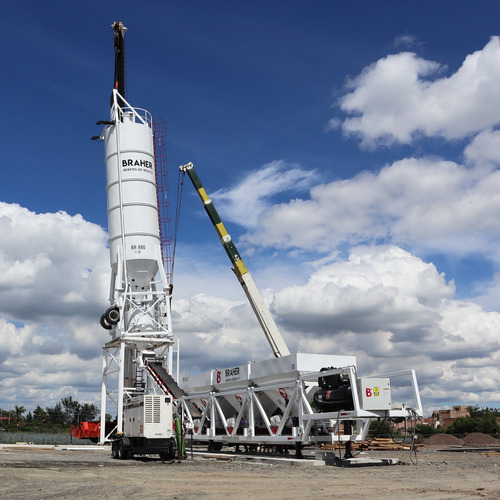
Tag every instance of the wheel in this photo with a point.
(122, 453)
(112, 315)
(215, 446)
(114, 449)
(167, 454)
(104, 323)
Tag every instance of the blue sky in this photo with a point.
(351, 149)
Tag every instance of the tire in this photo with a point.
(215, 445)
(123, 454)
(114, 450)
(112, 315)
(105, 324)
(167, 454)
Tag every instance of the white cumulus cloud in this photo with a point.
(244, 202)
(395, 311)
(50, 262)
(402, 95)
(391, 309)
(427, 203)
(54, 281)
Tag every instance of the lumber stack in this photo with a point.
(373, 444)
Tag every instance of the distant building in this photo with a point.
(444, 418)
(439, 418)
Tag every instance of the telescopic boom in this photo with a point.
(119, 44)
(259, 307)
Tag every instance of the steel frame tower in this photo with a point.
(139, 317)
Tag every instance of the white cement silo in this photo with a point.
(134, 235)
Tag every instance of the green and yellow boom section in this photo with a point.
(259, 307)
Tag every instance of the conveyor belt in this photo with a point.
(168, 385)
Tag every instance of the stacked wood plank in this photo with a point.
(373, 444)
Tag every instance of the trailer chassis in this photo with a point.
(253, 426)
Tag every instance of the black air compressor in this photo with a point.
(334, 392)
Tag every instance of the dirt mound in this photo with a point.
(443, 440)
(478, 439)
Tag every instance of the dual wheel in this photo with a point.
(168, 454)
(118, 451)
(110, 318)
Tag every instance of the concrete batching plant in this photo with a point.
(292, 400)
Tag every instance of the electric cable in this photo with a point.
(374, 437)
(339, 441)
(180, 190)
(413, 425)
(413, 449)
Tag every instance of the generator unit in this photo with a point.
(147, 428)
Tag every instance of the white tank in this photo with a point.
(132, 204)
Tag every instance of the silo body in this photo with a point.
(133, 227)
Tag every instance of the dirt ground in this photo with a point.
(41, 472)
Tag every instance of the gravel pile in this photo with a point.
(478, 439)
(443, 440)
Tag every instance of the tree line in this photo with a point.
(65, 413)
(69, 412)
